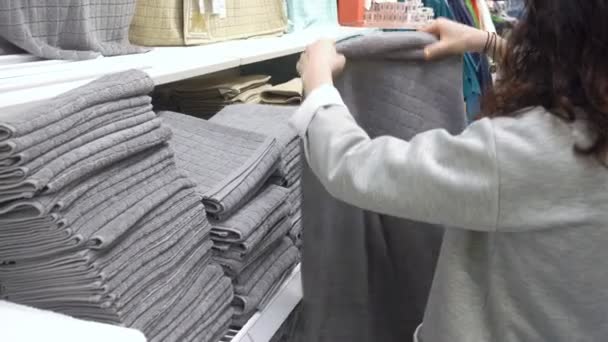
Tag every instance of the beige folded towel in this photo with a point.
(285, 93)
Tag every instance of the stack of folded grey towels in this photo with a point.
(234, 169)
(98, 222)
(271, 121)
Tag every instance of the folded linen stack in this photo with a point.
(250, 218)
(288, 93)
(271, 121)
(205, 96)
(97, 221)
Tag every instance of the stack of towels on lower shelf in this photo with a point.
(204, 96)
(241, 176)
(98, 222)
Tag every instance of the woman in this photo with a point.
(528, 184)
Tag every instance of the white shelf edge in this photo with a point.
(264, 324)
(165, 65)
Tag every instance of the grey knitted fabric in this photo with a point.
(250, 276)
(104, 226)
(21, 120)
(228, 165)
(264, 119)
(7, 48)
(246, 303)
(234, 262)
(295, 234)
(67, 30)
(366, 277)
(256, 217)
(23, 149)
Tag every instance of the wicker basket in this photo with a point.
(181, 22)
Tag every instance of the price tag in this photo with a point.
(219, 8)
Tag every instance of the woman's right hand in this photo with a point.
(454, 39)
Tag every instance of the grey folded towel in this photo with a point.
(65, 30)
(55, 175)
(23, 119)
(295, 234)
(228, 165)
(130, 278)
(154, 301)
(263, 119)
(115, 132)
(205, 303)
(155, 228)
(246, 303)
(252, 217)
(114, 231)
(23, 149)
(217, 331)
(250, 276)
(366, 277)
(234, 262)
(255, 240)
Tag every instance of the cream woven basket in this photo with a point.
(183, 22)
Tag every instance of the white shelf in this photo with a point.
(263, 325)
(25, 78)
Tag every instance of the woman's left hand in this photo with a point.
(319, 63)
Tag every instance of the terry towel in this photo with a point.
(268, 120)
(366, 277)
(67, 30)
(228, 165)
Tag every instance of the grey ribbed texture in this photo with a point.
(250, 276)
(264, 119)
(255, 218)
(105, 226)
(295, 234)
(247, 302)
(228, 165)
(23, 149)
(366, 277)
(234, 262)
(64, 29)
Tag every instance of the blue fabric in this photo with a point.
(515, 8)
(472, 74)
(306, 13)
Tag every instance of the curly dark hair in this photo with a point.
(557, 57)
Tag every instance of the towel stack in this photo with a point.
(204, 96)
(271, 121)
(250, 216)
(288, 93)
(97, 221)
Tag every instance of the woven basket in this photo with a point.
(180, 22)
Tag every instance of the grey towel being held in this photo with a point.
(366, 277)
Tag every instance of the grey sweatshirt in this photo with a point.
(525, 258)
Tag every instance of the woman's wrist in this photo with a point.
(476, 41)
(316, 77)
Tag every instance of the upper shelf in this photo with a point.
(24, 78)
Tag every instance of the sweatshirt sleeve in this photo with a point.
(436, 177)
